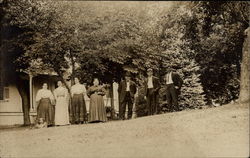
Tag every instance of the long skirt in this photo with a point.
(79, 111)
(45, 111)
(61, 111)
(97, 111)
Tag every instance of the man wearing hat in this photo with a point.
(126, 90)
(152, 86)
(173, 82)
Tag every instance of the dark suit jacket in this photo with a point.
(122, 90)
(156, 85)
(177, 81)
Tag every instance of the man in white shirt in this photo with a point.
(79, 112)
(152, 86)
(173, 82)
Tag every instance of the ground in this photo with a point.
(211, 132)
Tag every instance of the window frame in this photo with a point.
(6, 94)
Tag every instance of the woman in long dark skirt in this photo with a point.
(44, 98)
(97, 111)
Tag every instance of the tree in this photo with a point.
(179, 55)
(245, 69)
(175, 52)
(17, 29)
(215, 31)
(202, 40)
(108, 41)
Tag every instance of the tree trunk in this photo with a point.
(112, 102)
(63, 80)
(73, 66)
(245, 69)
(23, 90)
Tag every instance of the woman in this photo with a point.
(97, 111)
(44, 99)
(79, 111)
(61, 109)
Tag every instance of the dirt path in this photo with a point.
(221, 131)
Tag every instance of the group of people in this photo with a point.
(152, 85)
(53, 108)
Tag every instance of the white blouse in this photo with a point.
(78, 89)
(44, 93)
(60, 92)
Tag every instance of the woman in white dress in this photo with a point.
(45, 99)
(62, 104)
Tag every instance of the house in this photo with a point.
(11, 101)
(11, 112)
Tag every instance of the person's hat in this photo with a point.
(149, 70)
(127, 74)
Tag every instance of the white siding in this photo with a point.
(14, 103)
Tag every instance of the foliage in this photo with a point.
(216, 37)
(201, 40)
(141, 106)
(107, 41)
(178, 55)
(140, 102)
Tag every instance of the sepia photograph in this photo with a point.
(124, 79)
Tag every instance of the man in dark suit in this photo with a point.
(152, 86)
(126, 90)
(173, 82)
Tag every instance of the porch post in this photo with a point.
(134, 115)
(112, 101)
(115, 98)
(31, 92)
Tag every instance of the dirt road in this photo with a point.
(213, 132)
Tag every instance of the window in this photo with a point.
(1, 91)
(4, 88)
(6, 93)
(1, 84)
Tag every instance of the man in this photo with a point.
(152, 86)
(126, 90)
(79, 111)
(173, 83)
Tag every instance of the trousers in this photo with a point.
(151, 101)
(127, 101)
(172, 97)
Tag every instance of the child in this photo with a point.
(41, 124)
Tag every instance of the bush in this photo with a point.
(141, 104)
